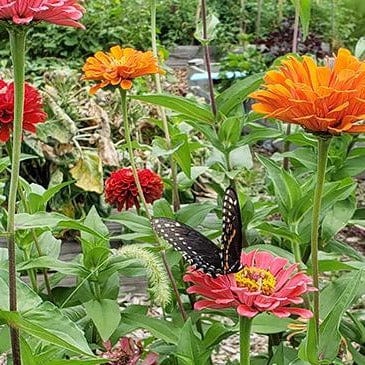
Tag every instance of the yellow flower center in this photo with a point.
(255, 279)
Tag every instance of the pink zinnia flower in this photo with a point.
(266, 284)
(61, 12)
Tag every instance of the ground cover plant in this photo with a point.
(232, 239)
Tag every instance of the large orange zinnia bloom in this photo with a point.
(119, 67)
(326, 99)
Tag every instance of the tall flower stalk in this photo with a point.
(128, 139)
(323, 146)
(245, 332)
(161, 110)
(17, 47)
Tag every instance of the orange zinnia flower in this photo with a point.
(326, 99)
(119, 67)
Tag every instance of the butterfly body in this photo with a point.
(201, 252)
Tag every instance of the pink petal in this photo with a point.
(245, 311)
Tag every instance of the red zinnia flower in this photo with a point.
(265, 284)
(33, 109)
(121, 190)
(61, 12)
(127, 352)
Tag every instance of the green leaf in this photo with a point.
(287, 189)
(329, 335)
(189, 349)
(164, 330)
(94, 222)
(230, 131)
(305, 15)
(88, 172)
(50, 246)
(267, 324)
(353, 165)
(67, 268)
(133, 222)
(283, 355)
(194, 214)
(259, 132)
(211, 23)
(241, 158)
(182, 154)
(308, 349)
(47, 323)
(337, 218)
(162, 208)
(27, 298)
(280, 231)
(105, 314)
(189, 109)
(26, 353)
(237, 93)
(216, 333)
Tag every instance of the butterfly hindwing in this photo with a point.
(231, 232)
(198, 250)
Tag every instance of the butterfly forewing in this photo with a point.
(231, 232)
(198, 250)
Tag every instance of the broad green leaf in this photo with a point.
(283, 355)
(241, 158)
(308, 349)
(88, 172)
(337, 218)
(305, 15)
(329, 335)
(216, 333)
(335, 265)
(53, 190)
(237, 93)
(259, 132)
(267, 324)
(280, 231)
(67, 268)
(94, 222)
(162, 208)
(160, 328)
(105, 314)
(230, 131)
(50, 246)
(342, 248)
(194, 214)
(184, 182)
(189, 349)
(182, 154)
(27, 298)
(189, 109)
(354, 164)
(160, 147)
(47, 323)
(26, 353)
(94, 257)
(287, 189)
(211, 23)
(132, 221)
(5, 344)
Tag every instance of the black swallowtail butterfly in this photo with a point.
(201, 252)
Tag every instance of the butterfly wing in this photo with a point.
(198, 250)
(231, 232)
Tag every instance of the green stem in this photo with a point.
(17, 46)
(323, 145)
(295, 247)
(128, 139)
(205, 45)
(245, 331)
(161, 111)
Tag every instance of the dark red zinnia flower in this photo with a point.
(121, 190)
(33, 109)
